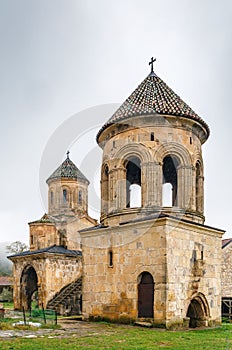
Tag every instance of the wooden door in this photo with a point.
(146, 296)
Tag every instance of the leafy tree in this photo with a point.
(6, 295)
(16, 247)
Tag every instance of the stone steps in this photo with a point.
(67, 296)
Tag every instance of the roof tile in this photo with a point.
(153, 96)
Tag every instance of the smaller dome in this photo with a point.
(67, 170)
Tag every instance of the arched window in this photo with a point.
(170, 164)
(80, 197)
(133, 177)
(64, 196)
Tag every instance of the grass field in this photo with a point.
(114, 337)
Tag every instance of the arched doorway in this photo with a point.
(146, 295)
(198, 312)
(28, 286)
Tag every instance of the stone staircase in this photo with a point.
(68, 300)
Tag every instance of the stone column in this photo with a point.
(184, 189)
(120, 188)
(151, 183)
(112, 190)
(201, 194)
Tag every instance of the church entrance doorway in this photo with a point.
(198, 312)
(146, 296)
(28, 287)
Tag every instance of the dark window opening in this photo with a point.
(202, 255)
(191, 141)
(152, 136)
(110, 258)
(170, 165)
(64, 196)
(80, 197)
(133, 177)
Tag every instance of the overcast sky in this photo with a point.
(60, 57)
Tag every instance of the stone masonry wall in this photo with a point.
(168, 250)
(53, 273)
(227, 271)
(193, 268)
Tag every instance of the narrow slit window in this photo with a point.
(202, 255)
(191, 141)
(80, 197)
(152, 136)
(110, 258)
(64, 196)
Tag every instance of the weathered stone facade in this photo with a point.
(183, 258)
(151, 257)
(226, 268)
(54, 260)
(45, 272)
(153, 260)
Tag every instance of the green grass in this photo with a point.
(130, 338)
(7, 305)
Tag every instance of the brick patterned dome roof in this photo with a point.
(153, 96)
(67, 170)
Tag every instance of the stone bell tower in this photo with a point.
(153, 256)
(68, 190)
(152, 140)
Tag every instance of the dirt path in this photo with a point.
(69, 328)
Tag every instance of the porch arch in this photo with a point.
(198, 311)
(28, 286)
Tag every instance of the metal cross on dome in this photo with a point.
(68, 154)
(152, 61)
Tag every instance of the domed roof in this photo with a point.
(67, 170)
(153, 96)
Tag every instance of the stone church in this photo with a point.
(151, 257)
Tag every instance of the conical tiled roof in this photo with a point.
(153, 96)
(67, 170)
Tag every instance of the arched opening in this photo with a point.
(133, 177)
(199, 190)
(105, 188)
(170, 164)
(198, 312)
(28, 286)
(64, 196)
(145, 295)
